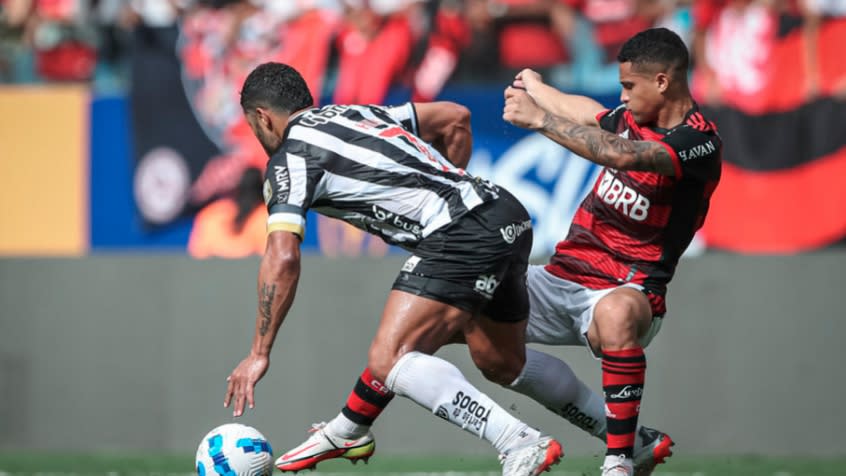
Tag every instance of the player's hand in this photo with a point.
(521, 110)
(527, 79)
(242, 382)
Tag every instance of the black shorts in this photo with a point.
(478, 263)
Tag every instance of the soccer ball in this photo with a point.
(234, 449)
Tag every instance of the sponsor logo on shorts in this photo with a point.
(514, 230)
(442, 412)
(410, 264)
(486, 285)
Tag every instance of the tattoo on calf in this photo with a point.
(266, 300)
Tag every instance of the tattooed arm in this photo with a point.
(606, 148)
(277, 283)
(590, 142)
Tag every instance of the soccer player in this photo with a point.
(471, 242)
(606, 284)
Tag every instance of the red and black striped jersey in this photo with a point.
(633, 226)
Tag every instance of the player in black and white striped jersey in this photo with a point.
(470, 241)
(359, 164)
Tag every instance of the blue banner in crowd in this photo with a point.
(548, 179)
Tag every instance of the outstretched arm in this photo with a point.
(446, 125)
(590, 142)
(579, 109)
(277, 283)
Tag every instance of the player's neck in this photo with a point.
(673, 113)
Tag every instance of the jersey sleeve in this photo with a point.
(287, 193)
(609, 119)
(696, 154)
(406, 115)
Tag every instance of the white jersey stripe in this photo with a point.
(297, 169)
(347, 150)
(375, 160)
(388, 203)
(442, 163)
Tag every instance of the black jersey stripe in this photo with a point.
(357, 116)
(389, 149)
(682, 226)
(347, 167)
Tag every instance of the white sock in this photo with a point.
(439, 386)
(345, 428)
(552, 383)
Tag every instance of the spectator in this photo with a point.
(791, 53)
(449, 36)
(824, 18)
(521, 31)
(593, 31)
(375, 47)
(720, 25)
(63, 39)
(220, 45)
(112, 71)
(16, 60)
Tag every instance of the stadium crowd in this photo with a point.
(756, 56)
(353, 51)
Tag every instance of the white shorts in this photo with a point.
(560, 311)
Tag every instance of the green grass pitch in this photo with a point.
(52, 464)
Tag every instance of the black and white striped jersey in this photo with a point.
(365, 165)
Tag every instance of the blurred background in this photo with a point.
(131, 217)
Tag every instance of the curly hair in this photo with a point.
(276, 86)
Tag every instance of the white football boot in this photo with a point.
(617, 465)
(532, 459)
(322, 446)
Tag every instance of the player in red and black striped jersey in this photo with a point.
(635, 224)
(606, 283)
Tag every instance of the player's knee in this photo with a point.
(618, 317)
(380, 363)
(499, 368)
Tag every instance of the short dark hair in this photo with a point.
(657, 46)
(276, 86)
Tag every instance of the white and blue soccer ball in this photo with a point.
(234, 449)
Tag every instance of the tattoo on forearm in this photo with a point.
(608, 149)
(265, 302)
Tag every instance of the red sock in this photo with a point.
(367, 400)
(623, 375)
